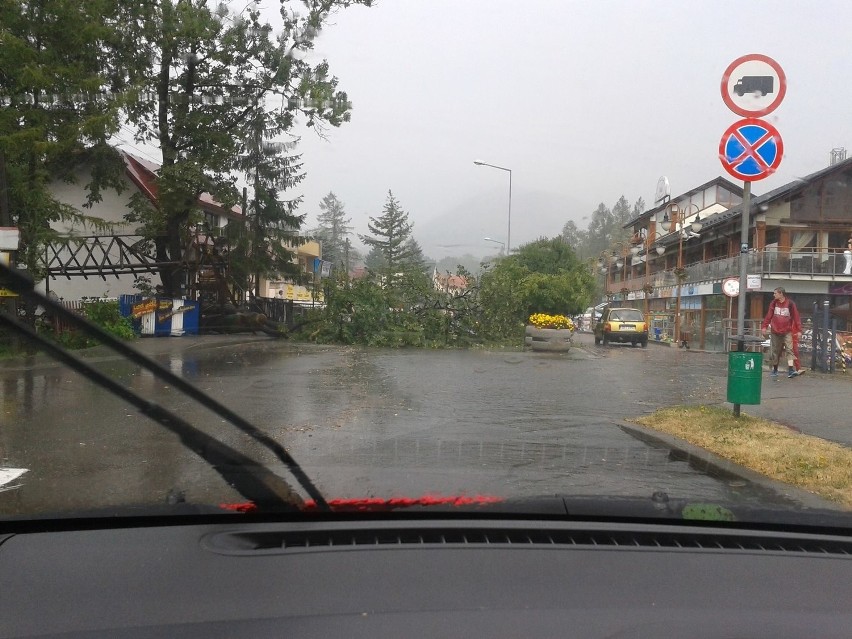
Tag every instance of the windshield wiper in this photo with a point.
(251, 479)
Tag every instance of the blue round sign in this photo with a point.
(751, 149)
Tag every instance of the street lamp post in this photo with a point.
(603, 264)
(502, 244)
(676, 223)
(509, 228)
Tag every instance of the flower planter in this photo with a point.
(554, 340)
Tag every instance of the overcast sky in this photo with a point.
(584, 101)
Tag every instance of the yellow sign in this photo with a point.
(149, 306)
(5, 292)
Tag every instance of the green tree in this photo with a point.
(263, 242)
(214, 79)
(59, 61)
(392, 242)
(544, 276)
(375, 260)
(334, 230)
(576, 238)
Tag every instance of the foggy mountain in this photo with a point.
(462, 229)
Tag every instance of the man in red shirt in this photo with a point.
(782, 321)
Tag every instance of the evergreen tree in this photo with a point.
(391, 239)
(334, 229)
(265, 240)
(61, 61)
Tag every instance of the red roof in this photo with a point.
(144, 175)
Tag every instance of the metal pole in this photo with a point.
(828, 346)
(509, 229)
(679, 232)
(741, 302)
(815, 336)
(833, 345)
(741, 306)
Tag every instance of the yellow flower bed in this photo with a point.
(543, 320)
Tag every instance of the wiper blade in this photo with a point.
(252, 480)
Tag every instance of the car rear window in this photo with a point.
(628, 315)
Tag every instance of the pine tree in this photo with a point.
(62, 62)
(263, 243)
(391, 239)
(334, 229)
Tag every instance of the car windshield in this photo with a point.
(363, 249)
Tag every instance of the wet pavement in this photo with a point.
(375, 422)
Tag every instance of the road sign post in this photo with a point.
(752, 86)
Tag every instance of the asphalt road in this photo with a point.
(370, 422)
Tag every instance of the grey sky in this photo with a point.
(584, 101)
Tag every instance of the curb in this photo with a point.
(719, 467)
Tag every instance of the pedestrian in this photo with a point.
(781, 322)
(685, 331)
(796, 363)
(847, 255)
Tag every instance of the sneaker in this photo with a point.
(801, 371)
(774, 374)
(791, 374)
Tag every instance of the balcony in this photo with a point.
(795, 265)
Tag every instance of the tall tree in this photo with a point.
(621, 215)
(576, 238)
(391, 238)
(268, 234)
(215, 79)
(60, 62)
(334, 230)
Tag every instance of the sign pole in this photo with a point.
(744, 251)
(752, 86)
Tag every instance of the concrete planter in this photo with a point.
(554, 340)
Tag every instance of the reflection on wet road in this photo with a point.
(364, 422)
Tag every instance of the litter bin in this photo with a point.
(745, 372)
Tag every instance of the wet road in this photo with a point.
(363, 422)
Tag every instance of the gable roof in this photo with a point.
(718, 181)
(143, 173)
(786, 192)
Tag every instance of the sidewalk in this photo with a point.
(814, 403)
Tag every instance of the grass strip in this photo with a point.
(810, 463)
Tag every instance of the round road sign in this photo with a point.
(753, 85)
(751, 149)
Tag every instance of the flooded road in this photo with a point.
(362, 422)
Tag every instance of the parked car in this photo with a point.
(621, 325)
(591, 316)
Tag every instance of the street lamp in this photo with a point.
(509, 171)
(604, 259)
(676, 224)
(502, 244)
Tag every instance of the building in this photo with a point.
(207, 252)
(448, 283)
(682, 250)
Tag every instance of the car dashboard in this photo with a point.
(425, 577)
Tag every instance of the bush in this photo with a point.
(106, 315)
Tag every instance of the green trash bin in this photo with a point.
(745, 372)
